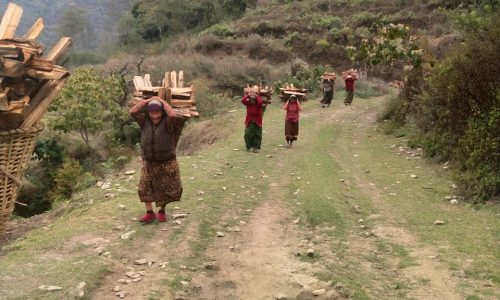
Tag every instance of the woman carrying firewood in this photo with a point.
(292, 107)
(253, 121)
(327, 91)
(160, 180)
(349, 89)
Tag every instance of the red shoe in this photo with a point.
(162, 217)
(147, 218)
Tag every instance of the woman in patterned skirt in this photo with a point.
(160, 178)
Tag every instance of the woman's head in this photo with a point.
(292, 98)
(155, 111)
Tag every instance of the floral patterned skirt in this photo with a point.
(160, 182)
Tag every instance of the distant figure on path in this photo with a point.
(160, 180)
(327, 92)
(349, 88)
(253, 122)
(292, 107)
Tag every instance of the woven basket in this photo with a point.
(16, 149)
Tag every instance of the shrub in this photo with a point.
(266, 28)
(325, 22)
(255, 47)
(322, 46)
(66, 179)
(366, 89)
(208, 43)
(219, 30)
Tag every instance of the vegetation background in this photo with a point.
(446, 52)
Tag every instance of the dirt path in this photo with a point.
(260, 262)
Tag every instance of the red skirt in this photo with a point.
(292, 130)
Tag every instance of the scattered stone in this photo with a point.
(438, 222)
(413, 176)
(130, 172)
(133, 274)
(116, 288)
(310, 252)
(269, 156)
(110, 195)
(141, 261)
(319, 292)
(121, 294)
(54, 288)
(296, 221)
(121, 206)
(106, 186)
(342, 180)
(281, 297)
(135, 280)
(224, 188)
(142, 273)
(453, 186)
(220, 234)
(233, 229)
(119, 227)
(122, 281)
(361, 221)
(212, 266)
(179, 216)
(127, 235)
(163, 265)
(461, 274)
(201, 193)
(176, 222)
(454, 201)
(99, 183)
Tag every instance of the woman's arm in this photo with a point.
(138, 107)
(285, 105)
(245, 100)
(171, 113)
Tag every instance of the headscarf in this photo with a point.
(155, 105)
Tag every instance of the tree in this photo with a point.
(86, 102)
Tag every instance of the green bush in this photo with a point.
(66, 179)
(367, 89)
(255, 47)
(219, 30)
(325, 22)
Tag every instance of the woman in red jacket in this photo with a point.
(253, 121)
(292, 107)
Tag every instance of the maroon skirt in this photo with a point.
(160, 182)
(292, 130)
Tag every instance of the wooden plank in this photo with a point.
(11, 51)
(294, 93)
(166, 80)
(38, 112)
(11, 68)
(182, 90)
(10, 120)
(162, 93)
(147, 81)
(173, 79)
(180, 81)
(56, 73)
(4, 102)
(40, 64)
(10, 21)
(59, 49)
(182, 103)
(168, 95)
(184, 96)
(35, 30)
(138, 83)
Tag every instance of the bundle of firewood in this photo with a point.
(397, 84)
(264, 92)
(351, 72)
(329, 75)
(30, 78)
(172, 90)
(289, 89)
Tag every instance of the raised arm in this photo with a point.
(245, 100)
(171, 113)
(285, 105)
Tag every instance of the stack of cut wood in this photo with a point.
(30, 78)
(329, 75)
(263, 91)
(397, 84)
(351, 72)
(289, 89)
(172, 90)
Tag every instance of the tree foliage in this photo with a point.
(86, 102)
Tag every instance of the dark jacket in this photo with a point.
(157, 144)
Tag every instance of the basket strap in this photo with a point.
(11, 176)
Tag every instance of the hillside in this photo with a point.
(102, 17)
